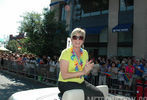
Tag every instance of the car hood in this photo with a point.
(36, 94)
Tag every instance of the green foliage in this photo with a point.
(13, 45)
(23, 44)
(45, 36)
(54, 34)
(30, 24)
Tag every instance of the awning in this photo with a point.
(1, 40)
(122, 27)
(57, 2)
(94, 30)
(3, 49)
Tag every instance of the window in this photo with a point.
(91, 38)
(124, 51)
(97, 51)
(102, 51)
(126, 5)
(63, 15)
(103, 35)
(89, 6)
(125, 36)
(99, 37)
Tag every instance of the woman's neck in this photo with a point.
(77, 51)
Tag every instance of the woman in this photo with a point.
(114, 72)
(129, 70)
(74, 65)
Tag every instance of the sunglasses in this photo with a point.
(77, 37)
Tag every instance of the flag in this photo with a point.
(107, 73)
(126, 77)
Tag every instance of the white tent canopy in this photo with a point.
(3, 49)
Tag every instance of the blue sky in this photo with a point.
(11, 10)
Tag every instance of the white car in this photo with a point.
(52, 94)
(37, 94)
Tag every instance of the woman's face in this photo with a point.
(77, 40)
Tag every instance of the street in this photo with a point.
(10, 83)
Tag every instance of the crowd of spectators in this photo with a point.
(119, 73)
(39, 67)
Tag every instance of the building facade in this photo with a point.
(17, 37)
(113, 27)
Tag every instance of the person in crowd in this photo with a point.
(13, 63)
(129, 70)
(139, 69)
(20, 63)
(44, 66)
(145, 72)
(24, 58)
(27, 65)
(118, 63)
(52, 68)
(32, 64)
(123, 65)
(121, 79)
(103, 60)
(114, 72)
(108, 79)
(19, 59)
(102, 76)
(95, 71)
(57, 69)
(38, 58)
(74, 65)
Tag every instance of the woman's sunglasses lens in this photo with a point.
(74, 37)
(77, 37)
(81, 38)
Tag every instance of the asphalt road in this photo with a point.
(10, 84)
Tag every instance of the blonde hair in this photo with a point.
(79, 31)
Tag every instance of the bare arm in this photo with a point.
(88, 67)
(64, 71)
(139, 69)
(66, 74)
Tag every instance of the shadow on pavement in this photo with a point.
(10, 84)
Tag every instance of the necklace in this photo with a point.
(77, 62)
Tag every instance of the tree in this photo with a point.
(18, 45)
(13, 45)
(54, 34)
(31, 25)
(45, 36)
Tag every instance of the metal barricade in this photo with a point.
(38, 72)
